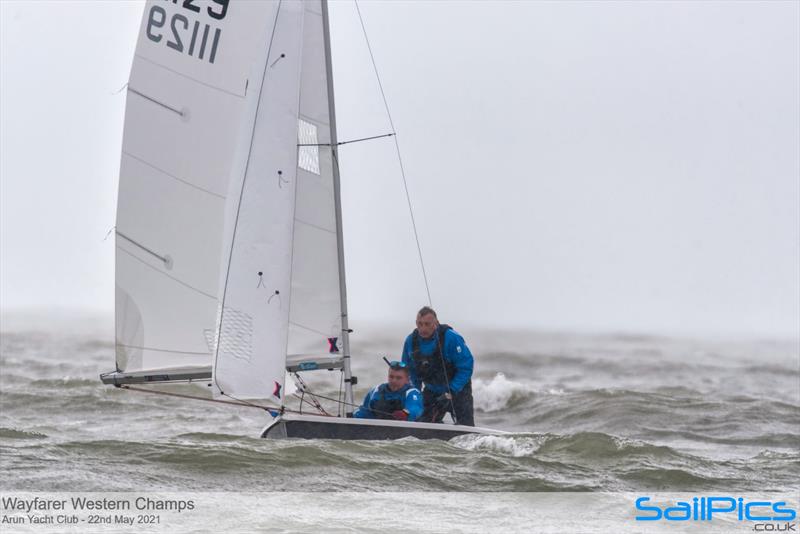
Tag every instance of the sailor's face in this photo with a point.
(426, 325)
(397, 379)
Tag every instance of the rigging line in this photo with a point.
(305, 389)
(366, 139)
(399, 157)
(440, 343)
(182, 396)
(341, 384)
(343, 403)
(240, 403)
(349, 141)
(314, 402)
(335, 400)
(246, 403)
(302, 400)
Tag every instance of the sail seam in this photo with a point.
(314, 226)
(163, 350)
(308, 328)
(181, 282)
(189, 77)
(162, 171)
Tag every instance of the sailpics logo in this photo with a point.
(707, 508)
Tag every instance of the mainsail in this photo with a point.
(229, 258)
(186, 95)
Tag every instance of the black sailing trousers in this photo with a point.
(462, 402)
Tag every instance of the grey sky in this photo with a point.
(624, 166)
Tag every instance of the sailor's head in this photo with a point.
(398, 375)
(426, 322)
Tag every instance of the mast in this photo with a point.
(348, 376)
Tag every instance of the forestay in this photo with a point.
(186, 97)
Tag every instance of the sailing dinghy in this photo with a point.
(229, 256)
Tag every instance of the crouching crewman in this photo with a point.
(396, 399)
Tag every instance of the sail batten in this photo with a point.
(195, 80)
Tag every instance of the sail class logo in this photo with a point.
(332, 346)
(707, 508)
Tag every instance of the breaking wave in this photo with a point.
(586, 445)
(499, 393)
(515, 446)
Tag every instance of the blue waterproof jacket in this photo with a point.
(406, 398)
(454, 350)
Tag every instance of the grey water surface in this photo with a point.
(587, 413)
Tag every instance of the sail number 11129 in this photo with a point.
(184, 35)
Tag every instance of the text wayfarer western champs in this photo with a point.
(38, 504)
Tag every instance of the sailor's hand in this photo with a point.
(443, 400)
(400, 415)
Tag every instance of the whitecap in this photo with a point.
(516, 446)
(494, 395)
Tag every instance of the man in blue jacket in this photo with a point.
(439, 359)
(396, 399)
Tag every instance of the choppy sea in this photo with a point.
(586, 412)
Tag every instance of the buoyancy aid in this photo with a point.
(432, 368)
(383, 408)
